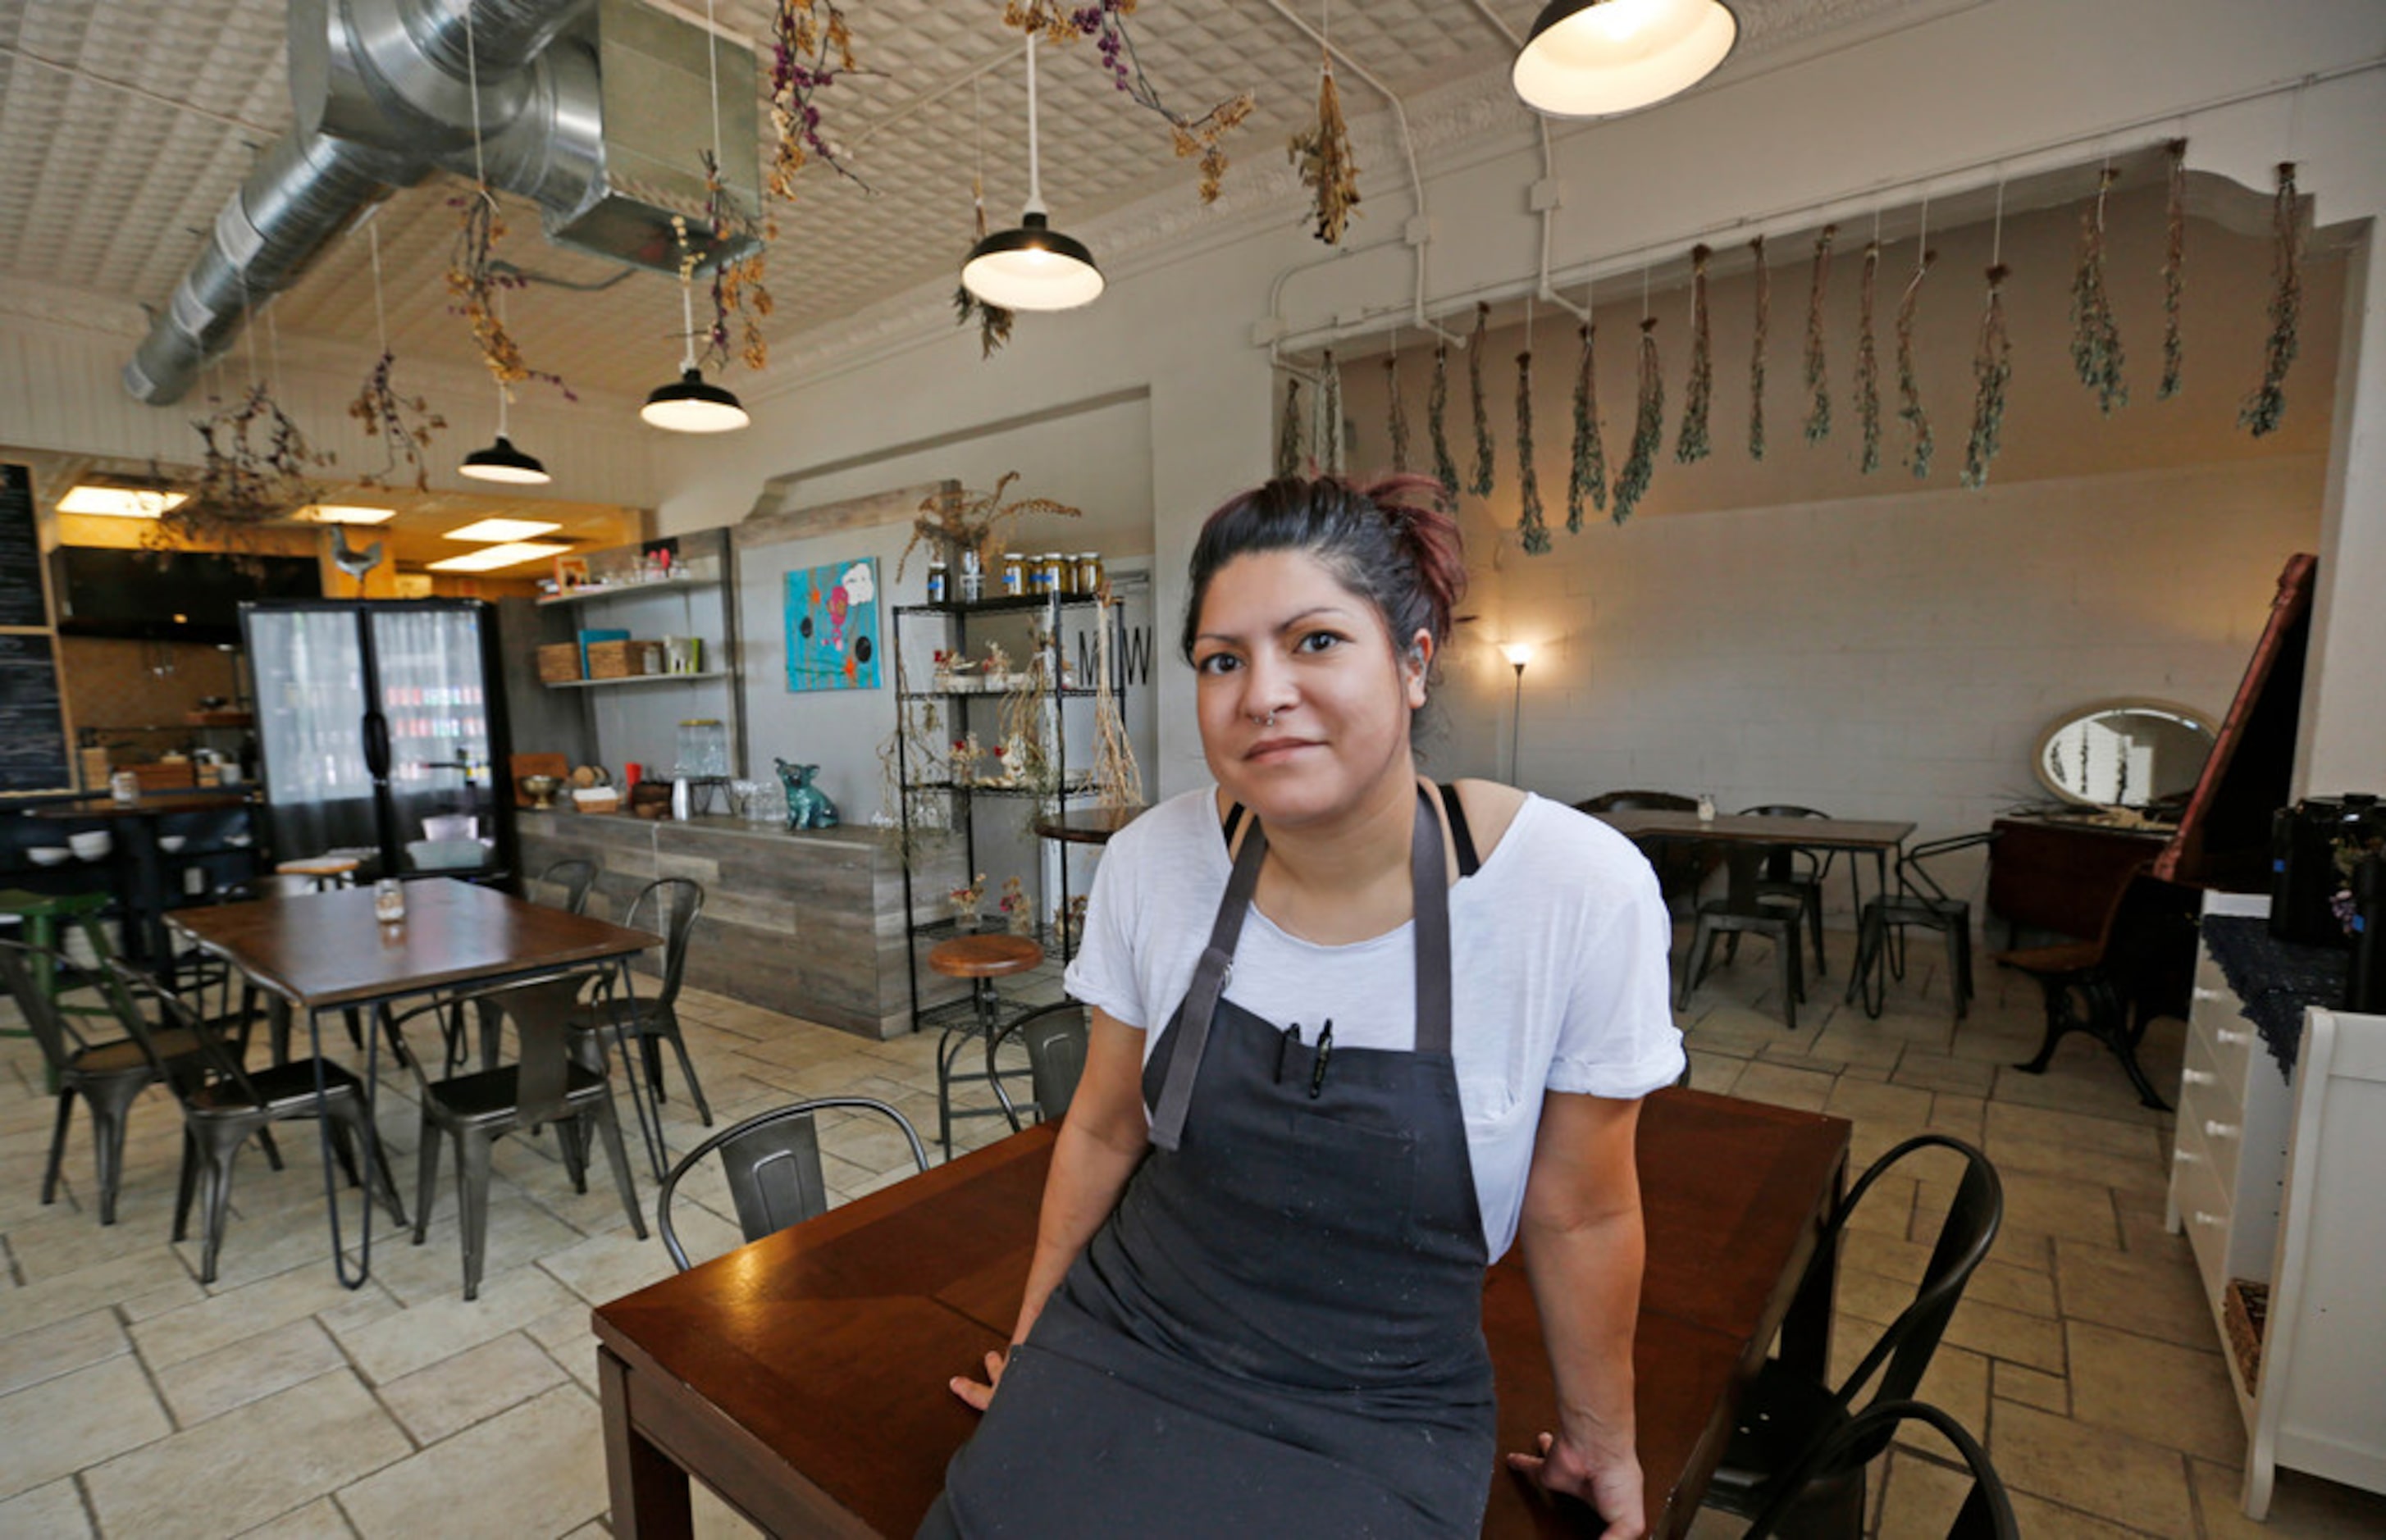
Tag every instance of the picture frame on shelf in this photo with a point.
(571, 574)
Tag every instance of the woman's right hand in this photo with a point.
(979, 1394)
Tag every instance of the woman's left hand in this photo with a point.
(1612, 1486)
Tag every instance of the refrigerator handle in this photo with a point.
(377, 747)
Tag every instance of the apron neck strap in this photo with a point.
(1430, 879)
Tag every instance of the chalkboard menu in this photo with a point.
(21, 552)
(32, 725)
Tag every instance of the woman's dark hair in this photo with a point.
(1389, 540)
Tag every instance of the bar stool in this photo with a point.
(981, 960)
(45, 918)
(323, 873)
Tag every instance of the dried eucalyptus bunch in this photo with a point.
(1532, 528)
(1587, 482)
(1322, 151)
(2264, 408)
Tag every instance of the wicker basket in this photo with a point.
(2245, 1308)
(625, 660)
(559, 663)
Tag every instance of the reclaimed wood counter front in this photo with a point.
(806, 923)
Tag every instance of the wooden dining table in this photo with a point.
(318, 952)
(803, 1378)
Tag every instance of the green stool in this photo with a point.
(46, 919)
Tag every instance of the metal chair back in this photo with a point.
(214, 1066)
(671, 904)
(1987, 1512)
(577, 878)
(772, 1161)
(1055, 1038)
(20, 967)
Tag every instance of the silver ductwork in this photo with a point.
(596, 109)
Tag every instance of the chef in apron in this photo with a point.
(1353, 1034)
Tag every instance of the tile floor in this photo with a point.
(135, 1402)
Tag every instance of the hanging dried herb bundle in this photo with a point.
(1869, 365)
(255, 467)
(1587, 482)
(1118, 783)
(1919, 442)
(2263, 410)
(402, 425)
(1436, 423)
(1323, 152)
(475, 277)
(1290, 430)
(1195, 139)
(1818, 381)
(739, 301)
(1991, 371)
(1329, 418)
(2095, 339)
(993, 321)
(2174, 271)
(1648, 428)
(1756, 353)
(1396, 414)
(1531, 527)
(811, 50)
(1692, 445)
(1475, 347)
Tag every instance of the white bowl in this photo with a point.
(92, 844)
(48, 855)
(171, 842)
(237, 841)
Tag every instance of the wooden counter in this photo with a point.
(807, 923)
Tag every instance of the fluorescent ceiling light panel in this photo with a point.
(120, 502)
(344, 513)
(490, 558)
(496, 530)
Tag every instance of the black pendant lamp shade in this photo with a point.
(502, 462)
(1596, 59)
(1032, 267)
(692, 404)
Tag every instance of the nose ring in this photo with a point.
(1268, 720)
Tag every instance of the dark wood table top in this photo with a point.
(1816, 834)
(152, 804)
(318, 949)
(808, 1369)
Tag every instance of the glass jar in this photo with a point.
(938, 586)
(703, 747)
(1089, 573)
(972, 577)
(389, 901)
(1056, 576)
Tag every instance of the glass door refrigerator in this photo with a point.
(382, 729)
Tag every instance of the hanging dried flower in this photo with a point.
(1329, 418)
(954, 521)
(1195, 139)
(1323, 152)
(1991, 371)
(1475, 347)
(1818, 382)
(1869, 365)
(740, 302)
(993, 321)
(1756, 352)
(811, 50)
(1118, 783)
(1436, 423)
(255, 467)
(1693, 445)
(1531, 527)
(2174, 269)
(1919, 442)
(1290, 431)
(401, 424)
(1587, 482)
(474, 280)
(2263, 410)
(2095, 339)
(1648, 426)
(1396, 414)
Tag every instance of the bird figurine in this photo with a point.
(355, 563)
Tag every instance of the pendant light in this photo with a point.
(1596, 59)
(689, 403)
(1033, 267)
(501, 461)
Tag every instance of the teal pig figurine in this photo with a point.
(808, 806)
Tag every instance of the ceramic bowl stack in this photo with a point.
(92, 845)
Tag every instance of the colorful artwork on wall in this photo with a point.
(833, 631)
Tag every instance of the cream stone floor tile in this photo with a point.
(143, 1284)
(1939, 1071)
(1920, 1497)
(548, 1456)
(2095, 1086)
(2150, 1294)
(1887, 1209)
(249, 1465)
(64, 1424)
(2079, 1465)
(715, 1520)
(608, 1266)
(1852, 1040)
(2046, 1205)
(1802, 1089)
(1957, 1383)
(319, 1520)
(62, 1240)
(52, 1513)
(2041, 1520)
(519, 1234)
(247, 1370)
(426, 1333)
(1885, 1255)
(2161, 1393)
(1714, 1071)
(2016, 1288)
(1864, 1100)
(2302, 1507)
(31, 1358)
(267, 1305)
(2136, 1174)
(1996, 1042)
(2009, 1334)
(475, 1384)
(2011, 1382)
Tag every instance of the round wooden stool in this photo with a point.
(981, 960)
(324, 871)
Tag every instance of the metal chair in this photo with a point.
(1682, 868)
(1786, 1417)
(1741, 912)
(1055, 1037)
(1919, 899)
(576, 878)
(109, 1075)
(1987, 1513)
(772, 1161)
(223, 1104)
(1797, 874)
(548, 1084)
(671, 904)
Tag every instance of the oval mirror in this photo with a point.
(2124, 753)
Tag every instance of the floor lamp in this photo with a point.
(1518, 654)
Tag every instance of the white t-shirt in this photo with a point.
(1558, 961)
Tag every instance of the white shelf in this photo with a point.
(627, 590)
(634, 679)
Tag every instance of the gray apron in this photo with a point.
(1278, 1329)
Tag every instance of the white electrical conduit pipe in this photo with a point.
(1548, 172)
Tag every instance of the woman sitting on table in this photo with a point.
(1352, 1035)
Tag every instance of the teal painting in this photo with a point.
(833, 635)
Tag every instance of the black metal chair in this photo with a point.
(2113, 987)
(672, 906)
(108, 1075)
(1797, 875)
(772, 1161)
(1054, 1036)
(548, 1084)
(1919, 899)
(1741, 911)
(1682, 868)
(576, 878)
(1987, 1512)
(1786, 1417)
(223, 1104)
